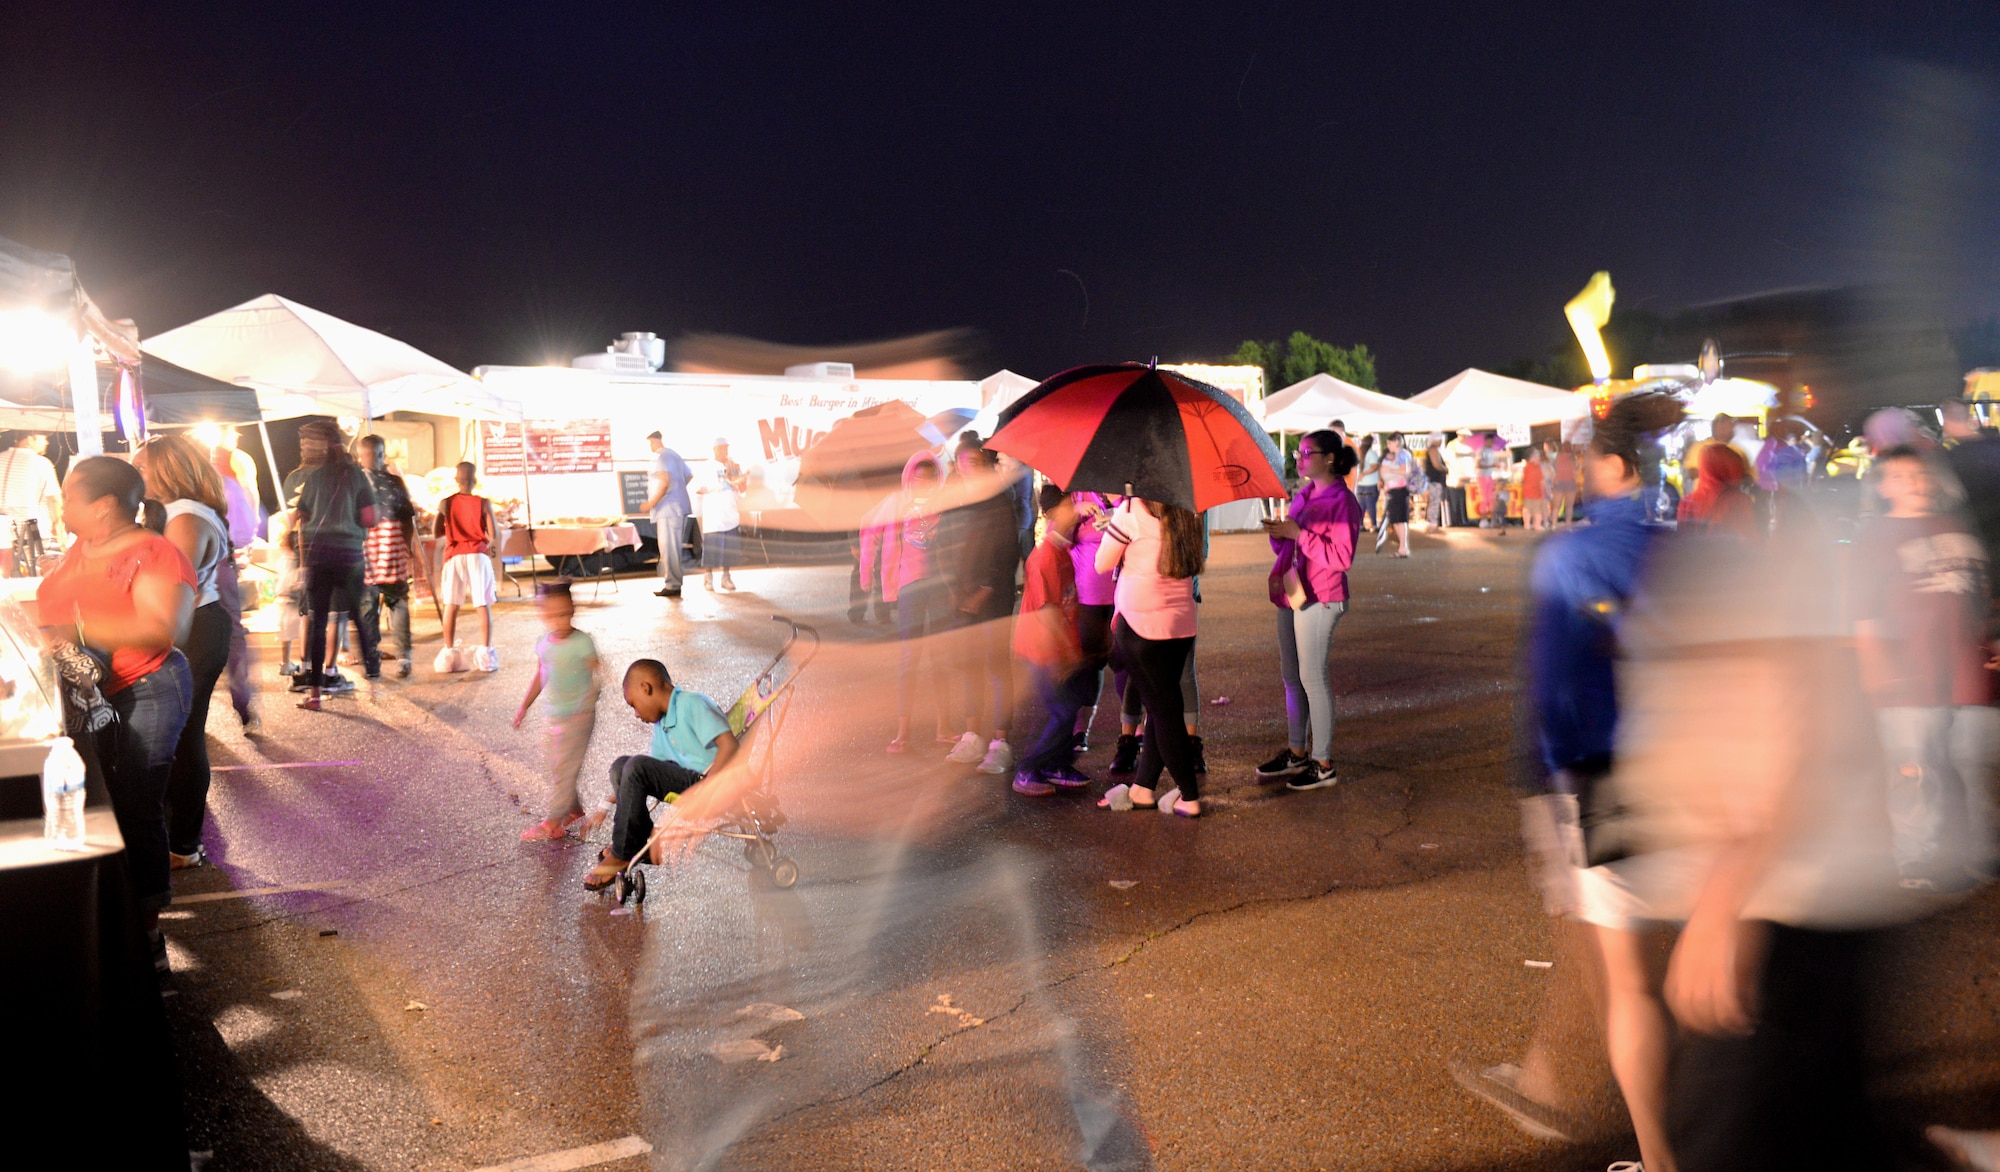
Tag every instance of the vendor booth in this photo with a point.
(1473, 400)
(1321, 399)
(579, 441)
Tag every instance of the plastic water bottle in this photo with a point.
(62, 796)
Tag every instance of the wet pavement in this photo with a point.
(378, 974)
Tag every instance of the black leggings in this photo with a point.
(207, 651)
(1155, 666)
(334, 587)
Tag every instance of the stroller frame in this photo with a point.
(756, 817)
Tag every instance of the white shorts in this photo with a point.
(468, 581)
(1658, 887)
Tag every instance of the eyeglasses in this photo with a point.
(1304, 452)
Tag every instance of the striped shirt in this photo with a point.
(385, 555)
(27, 484)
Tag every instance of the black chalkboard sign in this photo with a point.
(636, 488)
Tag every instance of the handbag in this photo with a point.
(79, 672)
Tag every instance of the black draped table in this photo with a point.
(84, 1028)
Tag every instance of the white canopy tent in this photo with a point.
(1475, 399)
(305, 362)
(1321, 399)
(997, 392)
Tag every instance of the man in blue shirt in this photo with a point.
(691, 739)
(669, 507)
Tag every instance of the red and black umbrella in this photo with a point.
(1170, 438)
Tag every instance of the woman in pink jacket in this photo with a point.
(903, 551)
(1315, 547)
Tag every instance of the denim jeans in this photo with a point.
(635, 779)
(137, 752)
(395, 598)
(1941, 763)
(1305, 639)
(1063, 696)
(718, 549)
(1369, 495)
(670, 529)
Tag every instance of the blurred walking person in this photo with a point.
(1315, 546)
(1562, 480)
(901, 551)
(1921, 605)
(1095, 591)
(335, 510)
(1437, 492)
(1158, 551)
(984, 548)
(1720, 502)
(1368, 488)
(1580, 588)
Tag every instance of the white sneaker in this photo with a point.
(486, 659)
(999, 758)
(449, 659)
(967, 751)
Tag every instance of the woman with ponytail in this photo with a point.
(1157, 549)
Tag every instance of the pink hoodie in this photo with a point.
(899, 542)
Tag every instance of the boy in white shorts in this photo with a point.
(465, 521)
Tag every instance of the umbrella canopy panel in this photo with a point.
(1170, 438)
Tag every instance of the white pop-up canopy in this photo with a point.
(1321, 399)
(1474, 399)
(997, 392)
(305, 362)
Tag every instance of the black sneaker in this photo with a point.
(1285, 764)
(403, 670)
(1080, 742)
(1317, 776)
(1200, 758)
(1125, 758)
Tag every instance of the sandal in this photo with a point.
(1122, 793)
(605, 873)
(310, 704)
(550, 829)
(899, 744)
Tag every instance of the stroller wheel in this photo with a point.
(784, 872)
(638, 888)
(759, 853)
(621, 889)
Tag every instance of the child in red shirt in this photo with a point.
(1046, 637)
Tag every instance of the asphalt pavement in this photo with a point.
(376, 973)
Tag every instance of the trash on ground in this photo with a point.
(287, 995)
(415, 1006)
(325, 932)
(770, 1012)
(965, 1020)
(1427, 846)
(1124, 884)
(1539, 964)
(1218, 702)
(745, 1050)
(1483, 590)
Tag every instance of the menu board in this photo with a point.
(546, 447)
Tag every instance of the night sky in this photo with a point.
(520, 184)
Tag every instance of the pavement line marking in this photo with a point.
(564, 1161)
(280, 765)
(212, 896)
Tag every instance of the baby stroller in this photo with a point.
(756, 818)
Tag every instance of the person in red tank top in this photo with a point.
(465, 521)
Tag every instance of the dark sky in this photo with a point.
(521, 183)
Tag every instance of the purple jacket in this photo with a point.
(1329, 521)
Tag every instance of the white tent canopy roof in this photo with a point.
(305, 362)
(1321, 399)
(997, 392)
(1473, 399)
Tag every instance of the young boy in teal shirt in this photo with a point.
(691, 739)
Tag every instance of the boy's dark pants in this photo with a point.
(1062, 698)
(635, 779)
